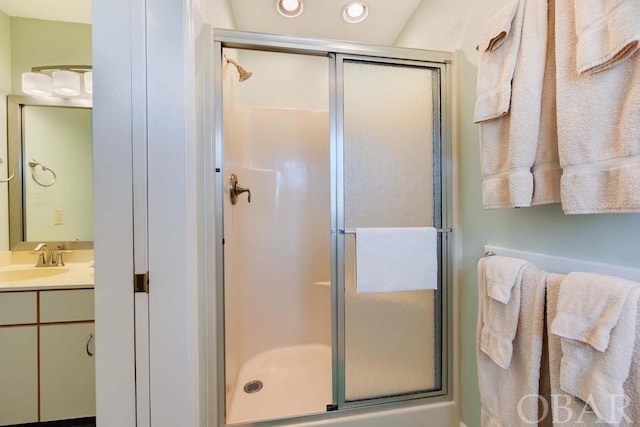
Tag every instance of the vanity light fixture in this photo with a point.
(36, 84)
(289, 8)
(65, 83)
(355, 12)
(60, 80)
(88, 82)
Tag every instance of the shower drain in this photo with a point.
(253, 386)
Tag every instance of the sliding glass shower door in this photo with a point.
(322, 140)
(389, 127)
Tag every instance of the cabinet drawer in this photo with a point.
(18, 308)
(66, 306)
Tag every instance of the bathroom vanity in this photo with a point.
(46, 343)
(47, 363)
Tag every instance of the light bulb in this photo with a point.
(88, 82)
(355, 10)
(290, 5)
(36, 84)
(289, 8)
(66, 83)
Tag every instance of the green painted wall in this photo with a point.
(603, 238)
(25, 43)
(5, 53)
(37, 42)
(608, 238)
(5, 89)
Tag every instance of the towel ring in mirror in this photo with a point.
(8, 179)
(32, 164)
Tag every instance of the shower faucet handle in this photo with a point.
(235, 189)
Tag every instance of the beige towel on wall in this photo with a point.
(567, 411)
(596, 323)
(498, 53)
(589, 307)
(502, 389)
(598, 113)
(501, 309)
(508, 143)
(546, 168)
(632, 386)
(608, 32)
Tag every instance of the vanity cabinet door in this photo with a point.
(18, 374)
(67, 371)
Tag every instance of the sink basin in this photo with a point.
(20, 274)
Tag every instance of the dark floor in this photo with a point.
(78, 422)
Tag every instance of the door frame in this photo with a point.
(309, 46)
(147, 88)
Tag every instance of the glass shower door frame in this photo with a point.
(337, 52)
(441, 192)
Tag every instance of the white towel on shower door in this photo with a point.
(396, 259)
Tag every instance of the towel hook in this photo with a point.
(32, 164)
(488, 254)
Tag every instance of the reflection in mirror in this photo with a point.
(51, 199)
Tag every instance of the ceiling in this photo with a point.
(323, 19)
(320, 18)
(52, 10)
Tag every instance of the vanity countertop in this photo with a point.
(26, 277)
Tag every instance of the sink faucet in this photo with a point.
(45, 255)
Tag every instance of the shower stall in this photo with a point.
(314, 139)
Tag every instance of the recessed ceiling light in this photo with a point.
(289, 8)
(355, 12)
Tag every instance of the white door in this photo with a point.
(119, 136)
(144, 90)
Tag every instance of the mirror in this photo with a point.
(51, 196)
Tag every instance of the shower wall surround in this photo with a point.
(276, 233)
(277, 246)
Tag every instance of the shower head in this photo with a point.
(244, 74)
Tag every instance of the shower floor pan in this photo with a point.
(295, 381)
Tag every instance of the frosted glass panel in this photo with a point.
(391, 339)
